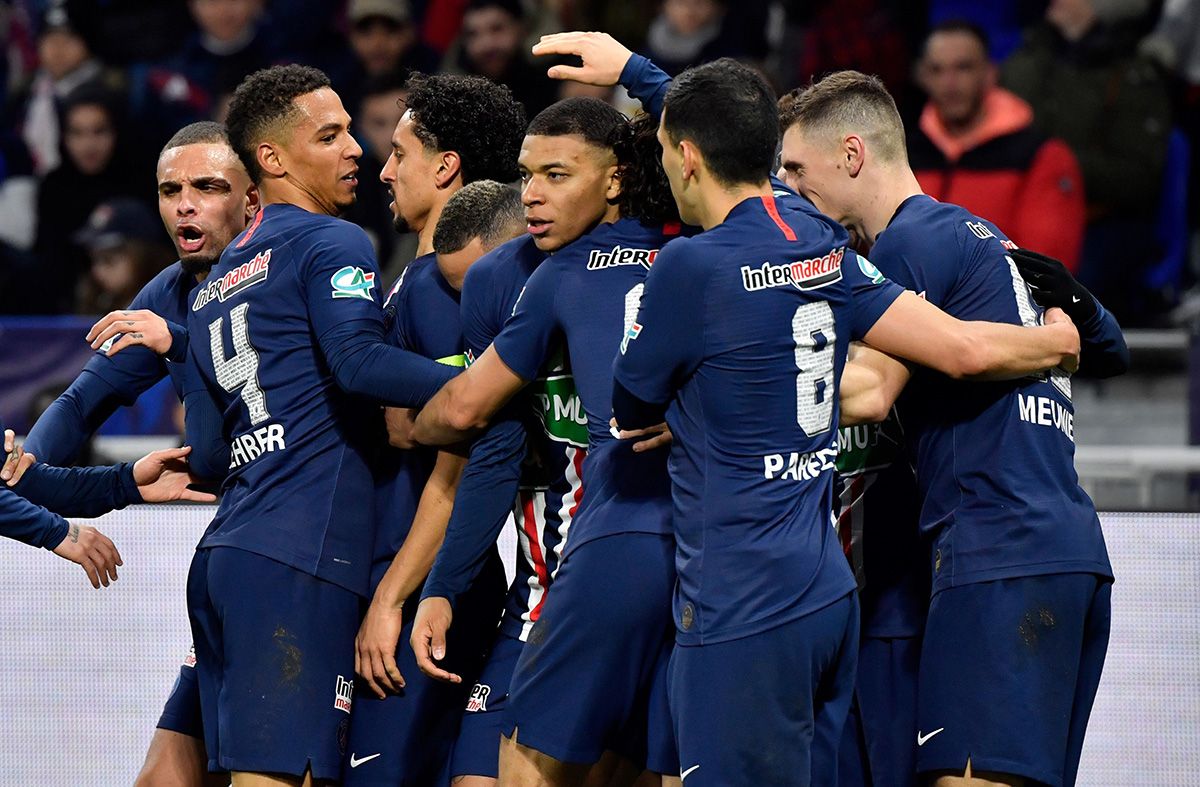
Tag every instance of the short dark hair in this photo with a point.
(727, 110)
(844, 102)
(204, 132)
(484, 209)
(263, 101)
(471, 116)
(966, 27)
(645, 190)
(594, 120)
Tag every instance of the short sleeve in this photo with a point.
(665, 343)
(870, 293)
(528, 335)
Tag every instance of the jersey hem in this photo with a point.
(1024, 570)
(694, 639)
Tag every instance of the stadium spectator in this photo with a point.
(126, 247)
(379, 112)
(690, 32)
(492, 44)
(1082, 74)
(232, 40)
(976, 146)
(96, 165)
(65, 63)
(384, 42)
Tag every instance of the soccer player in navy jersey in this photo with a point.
(408, 739)
(456, 132)
(1018, 623)
(766, 584)
(286, 352)
(205, 199)
(604, 632)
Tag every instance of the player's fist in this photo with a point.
(604, 57)
(400, 422)
(1070, 335)
(16, 460)
(135, 326)
(429, 637)
(375, 648)
(91, 549)
(163, 477)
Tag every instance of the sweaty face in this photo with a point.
(205, 199)
(812, 166)
(957, 74)
(90, 138)
(566, 185)
(409, 172)
(321, 156)
(491, 38)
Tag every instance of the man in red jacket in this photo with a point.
(976, 146)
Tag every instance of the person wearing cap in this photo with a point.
(124, 243)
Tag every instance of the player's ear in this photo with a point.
(853, 154)
(449, 168)
(253, 202)
(691, 159)
(270, 160)
(614, 184)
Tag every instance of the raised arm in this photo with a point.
(606, 61)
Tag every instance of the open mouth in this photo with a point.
(189, 239)
(351, 178)
(537, 227)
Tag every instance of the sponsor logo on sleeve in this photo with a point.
(807, 274)
(234, 281)
(598, 260)
(343, 694)
(352, 282)
(869, 270)
(635, 330)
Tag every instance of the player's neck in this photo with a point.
(896, 185)
(284, 192)
(425, 234)
(720, 200)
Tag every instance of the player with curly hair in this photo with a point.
(286, 343)
(456, 132)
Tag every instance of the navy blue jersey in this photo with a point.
(108, 383)
(587, 294)
(744, 329)
(529, 461)
(994, 461)
(420, 314)
(287, 322)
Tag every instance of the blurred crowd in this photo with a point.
(1073, 124)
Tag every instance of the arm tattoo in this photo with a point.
(73, 533)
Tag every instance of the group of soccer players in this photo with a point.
(709, 348)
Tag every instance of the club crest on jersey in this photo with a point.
(808, 274)
(352, 282)
(343, 694)
(477, 702)
(599, 260)
(240, 278)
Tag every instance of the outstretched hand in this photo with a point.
(604, 57)
(163, 477)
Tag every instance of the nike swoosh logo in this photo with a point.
(1074, 299)
(922, 739)
(684, 774)
(355, 763)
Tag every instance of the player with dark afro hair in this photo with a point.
(264, 102)
(471, 116)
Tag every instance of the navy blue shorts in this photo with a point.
(477, 751)
(182, 712)
(768, 708)
(592, 676)
(879, 744)
(275, 662)
(406, 740)
(1009, 671)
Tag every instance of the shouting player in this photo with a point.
(603, 634)
(1018, 622)
(286, 342)
(205, 198)
(456, 132)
